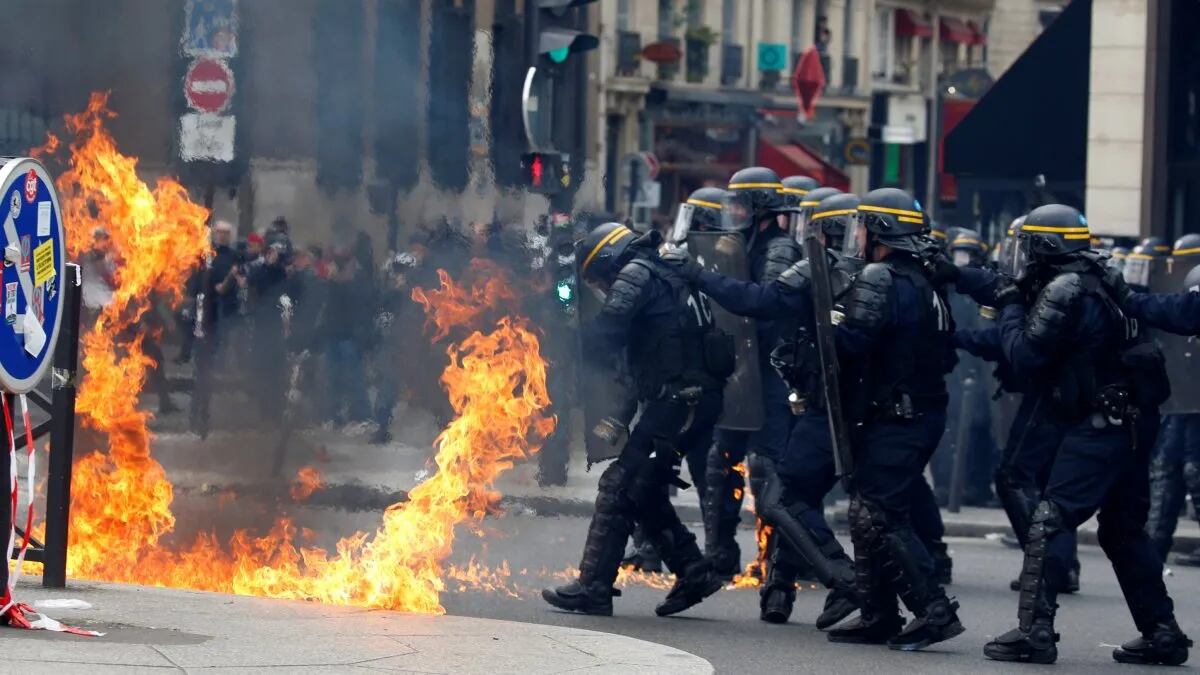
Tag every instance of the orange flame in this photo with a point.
(121, 508)
(308, 479)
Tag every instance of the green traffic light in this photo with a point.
(559, 55)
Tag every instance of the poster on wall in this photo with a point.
(210, 28)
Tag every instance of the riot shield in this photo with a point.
(601, 393)
(839, 431)
(1182, 353)
(725, 253)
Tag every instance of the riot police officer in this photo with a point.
(752, 207)
(895, 346)
(790, 493)
(701, 212)
(1105, 382)
(1143, 261)
(679, 364)
(796, 189)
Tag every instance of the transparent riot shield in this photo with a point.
(1182, 353)
(725, 253)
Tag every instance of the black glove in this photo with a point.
(941, 269)
(1008, 293)
(683, 263)
(1115, 282)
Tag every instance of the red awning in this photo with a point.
(793, 159)
(980, 38)
(910, 23)
(956, 30)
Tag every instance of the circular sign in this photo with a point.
(32, 276)
(208, 85)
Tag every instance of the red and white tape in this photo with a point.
(14, 613)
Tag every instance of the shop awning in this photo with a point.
(1034, 119)
(980, 37)
(793, 159)
(956, 30)
(912, 24)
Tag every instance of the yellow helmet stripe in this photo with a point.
(1186, 251)
(968, 240)
(1139, 256)
(701, 202)
(918, 221)
(612, 237)
(831, 214)
(1085, 235)
(809, 204)
(1054, 229)
(894, 212)
(752, 186)
(1162, 247)
(794, 191)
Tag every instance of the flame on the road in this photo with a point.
(121, 508)
(308, 479)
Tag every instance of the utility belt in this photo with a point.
(905, 407)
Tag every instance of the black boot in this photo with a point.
(839, 604)
(938, 624)
(869, 629)
(775, 603)
(690, 589)
(575, 597)
(1166, 646)
(1034, 646)
(643, 556)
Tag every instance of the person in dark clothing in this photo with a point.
(1106, 380)
(679, 362)
(347, 323)
(396, 310)
(274, 296)
(212, 291)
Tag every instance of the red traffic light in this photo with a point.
(536, 171)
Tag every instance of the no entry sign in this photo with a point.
(208, 85)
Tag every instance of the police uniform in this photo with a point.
(679, 364)
(789, 495)
(895, 344)
(754, 198)
(1076, 347)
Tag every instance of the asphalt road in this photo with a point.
(726, 630)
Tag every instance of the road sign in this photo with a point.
(650, 160)
(649, 194)
(208, 85)
(31, 217)
(857, 151)
(772, 56)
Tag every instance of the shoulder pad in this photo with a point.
(1056, 308)
(797, 277)
(867, 306)
(781, 253)
(628, 288)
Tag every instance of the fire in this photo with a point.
(756, 570)
(121, 510)
(308, 479)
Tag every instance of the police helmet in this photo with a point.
(1191, 283)
(604, 251)
(1055, 230)
(1141, 263)
(833, 215)
(967, 248)
(754, 193)
(700, 212)
(1117, 256)
(802, 212)
(941, 235)
(1155, 246)
(796, 189)
(888, 216)
(1187, 245)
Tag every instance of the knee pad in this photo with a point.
(1047, 521)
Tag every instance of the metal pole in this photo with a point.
(62, 433)
(958, 469)
(935, 117)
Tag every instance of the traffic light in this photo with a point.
(546, 173)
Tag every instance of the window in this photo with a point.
(729, 21)
(622, 15)
(883, 46)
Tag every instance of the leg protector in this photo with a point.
(768, 494)
(722, 508)
(1166, 500)
(1018, 501)
(612, 523)
(877, 597)
(1035, 602)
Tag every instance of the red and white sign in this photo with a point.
(208, 85)
(31, 186)
(651, 161)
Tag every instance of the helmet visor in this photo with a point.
(854, 244)
(800, 224)
(737, 211)
(1019, 244)
(962, 257)
(1137, 270)
(683, 223)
